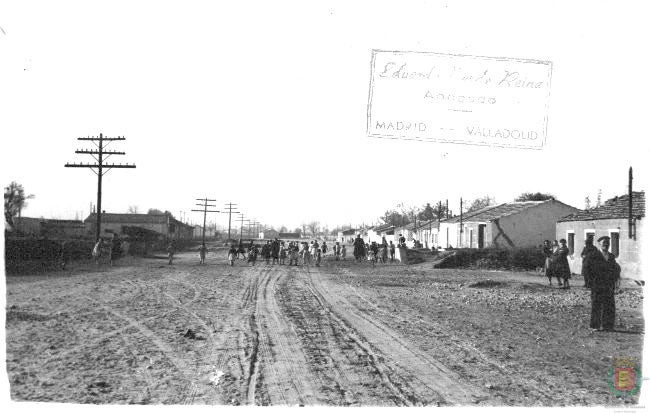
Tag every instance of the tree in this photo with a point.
(587, 202)
(537, 196)
(133, 209)
(297, 230)
(313, 227)
(598, 198)
(283, 229)
(427, 213)
(480, 203)
(154, 211)
(15, 201)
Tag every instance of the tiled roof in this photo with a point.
(289, 235)
(493, 212)
(425, 225)
(617, 207)
(129, 218)
(350, 231)
(381, 228)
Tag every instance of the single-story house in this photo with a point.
(427, 233)
(507, 225)
(346, 236)
(613, 219)
(376, 233)
(269, 234)
(161, 223)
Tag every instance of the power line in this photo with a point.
(205, 211)
(231, 211)
(100, 165)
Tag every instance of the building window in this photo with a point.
(615, 242)
(571, 242)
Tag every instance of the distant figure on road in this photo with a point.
(337, 251)
(306, 255)
(359, 248)
(553, 265)
(605, 274)
(402, 241)
(548, 253)
(561, 263)
(252, 253)
(275, 251)
(283, 253)
(343, 252)
(171, 250)
(324, 248)
(586, 254)
(391, 250)
(233, 253)
(373, 253)
(293, 255)
(203, 250)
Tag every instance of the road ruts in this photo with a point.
(429, 375)
(278, 372)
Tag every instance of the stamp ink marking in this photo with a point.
(476, 100)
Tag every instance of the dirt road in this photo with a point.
(340, 334)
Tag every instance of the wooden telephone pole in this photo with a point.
(100, 155)
(231, 211)
(205, 211)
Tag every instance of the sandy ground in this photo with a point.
(344, 333)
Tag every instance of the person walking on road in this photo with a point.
(391, 251)
(283, 253)
(171, 250)
(359, 248)
(553, 263)
(343, 252)
(233, 254)
(562, 269)
(548, 261)
(252, 253)
(605, 274)
(586, 254)
(202, 252)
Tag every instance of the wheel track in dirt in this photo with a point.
(394, 385)
(452, 339)
(430, 373)
(324, 337)
(276, 360)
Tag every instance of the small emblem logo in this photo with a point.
(624, 377)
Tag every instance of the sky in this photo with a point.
(264, 104)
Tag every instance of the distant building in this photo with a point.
(375, 234)
(427, 233)
(508, 225)
(612, 219)
(346, 236)
(289, 236)
(162, 224)
(52, 228)
(269, 234)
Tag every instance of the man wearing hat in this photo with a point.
(604, 273)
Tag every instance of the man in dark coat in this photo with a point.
(586, 254)
(358, 248)
(604, 273)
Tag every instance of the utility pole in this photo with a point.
(631, 224)
(231, 211)
(460, 241)
(100, 142)
(241, 225)
(205, 211)
(447, 207)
